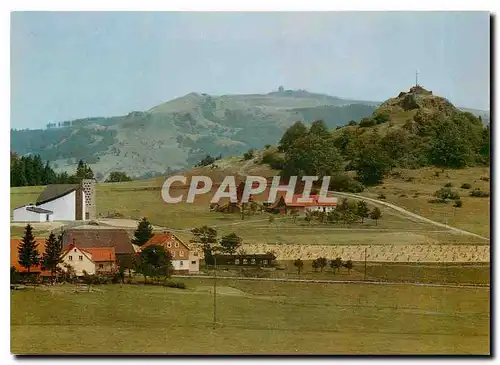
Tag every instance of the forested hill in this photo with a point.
(179, 133)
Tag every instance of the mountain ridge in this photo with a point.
(179, 132)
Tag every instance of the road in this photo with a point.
(408, 213)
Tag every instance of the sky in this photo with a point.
(69, 65)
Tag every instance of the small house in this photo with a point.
(184, 260)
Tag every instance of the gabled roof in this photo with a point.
(97, 238)
(39, 210)
(55, 191)
(162, 239)
(72, 246)
(100, 254)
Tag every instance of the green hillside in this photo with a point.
(178, 133)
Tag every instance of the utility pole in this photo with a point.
(215, 291)
(365, 263)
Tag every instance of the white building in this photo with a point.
(60, 202)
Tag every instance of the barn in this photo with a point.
(60, 202)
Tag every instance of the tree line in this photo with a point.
(32, 171)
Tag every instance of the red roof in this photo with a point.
(96, 254)
(162, 239)
(14, 256)
(102, 254)
(314, 203)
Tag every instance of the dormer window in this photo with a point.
(169, 245)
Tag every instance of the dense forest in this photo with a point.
(33, 171)
(456, 140)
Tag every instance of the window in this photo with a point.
(70, 258)
(237, 261)
(182, 263)
(75, 250)
(264, 262)
(169, 245)
(245, 261)
(193, 262)
(253, 261)
(173, 254)
(176, 244)
(80, 258)
(181, 253)
(101, 266)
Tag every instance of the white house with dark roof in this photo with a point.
(60, 202)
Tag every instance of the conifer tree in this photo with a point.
(143, 233)
(28, 251)
(52, 255)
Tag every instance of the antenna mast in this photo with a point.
(416, 77)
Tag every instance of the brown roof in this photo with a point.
(55, 191)
(99, 238)
(162, 239)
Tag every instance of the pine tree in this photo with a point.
(52, 255)
(28, 251)
(143, 233)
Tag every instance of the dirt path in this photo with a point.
(365, 282)
(409, 214)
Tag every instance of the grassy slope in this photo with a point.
(143, 198)
(254, 317)
(473, 216)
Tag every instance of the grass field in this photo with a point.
(253, 318)
(473, 216)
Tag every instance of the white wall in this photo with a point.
(196, 259)
(327, 209)
(177, 264)
(23, 215)
(77, 264)
(63, 207)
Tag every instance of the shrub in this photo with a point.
(436, 173)
(478, 193)
(381, 118)
(446, 193)
(438, 201)
(273, 159)
(381, 196)
(352, 123)
(448, 185)
(366, 122)
(410, 179)
(249, 155)
(267, 146)
(175, 284)
(466, 186)
(342, 182)
(403, 196)
(458, 203)
(484, 178)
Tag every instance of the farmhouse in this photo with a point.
(101, 238)
(184, 260)
(60, 202)
(90, 260)
(284, 207)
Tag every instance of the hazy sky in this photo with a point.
(74, 65)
